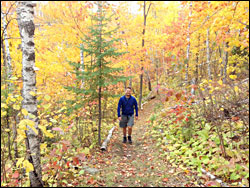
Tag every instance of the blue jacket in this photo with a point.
(127, 106)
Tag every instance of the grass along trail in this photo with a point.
(139, 164)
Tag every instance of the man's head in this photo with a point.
(128, 91)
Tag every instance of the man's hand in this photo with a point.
(119, 118)
(136, 117)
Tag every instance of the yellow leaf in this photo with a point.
(22, 125)
(19, 161)
(86, 151)
(13, 78)
(232, 77)
(4, 105)
(48, 134)
(220, 82)
(21, 134)
(236, 89)
(16, 107)
(42, 146)
(47, 97)
(32, 116)
(29, 167)
(3, 113)
(24, 112)
(30, 123)
(32, 93)
(13, 99)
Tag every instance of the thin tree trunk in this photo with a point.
(8, 133)
(143, 43)
(82, 64)
(157, 72)
(100, 88)
(148, 78)
(3, 160)
(25, 18)
(130, 82)
(4, 57)
(149, 82)
(165, 70)
(141, 83)
(208, 53)
(7, 51)
(197, 62)
(221, 63)
(125, 85)
(225, 64)
(188, 46)
(14, 138)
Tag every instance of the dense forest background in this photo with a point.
(65, 64)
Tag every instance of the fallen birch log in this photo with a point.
(218, 180)
(105, 143)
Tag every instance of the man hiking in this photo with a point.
(128, 103)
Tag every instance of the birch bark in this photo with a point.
(7, 49)
(188, 46)
(82, 64)
(25, 18)
(208, 53)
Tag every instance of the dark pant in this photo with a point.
(127, 120)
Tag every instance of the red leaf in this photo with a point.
(235, 118)
(57, 129)
(91, 181)
(165, 179)
(75, 160)
(178, 96)
(64, 147)
(211, 183)
(67, 163)
(15, 175)
(180, 118)
(170, 93)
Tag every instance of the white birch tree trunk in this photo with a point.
(7, 48)
(188, 46)
(25, 18)
(165, 69)
(208, 53)
(82, 65)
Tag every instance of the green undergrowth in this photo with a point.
(191, 143)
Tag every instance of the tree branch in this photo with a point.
(207, 20)
(148, 9)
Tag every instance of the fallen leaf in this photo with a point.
(165, 179)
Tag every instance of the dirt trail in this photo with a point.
(139, 164)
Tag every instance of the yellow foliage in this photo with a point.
(233, 77)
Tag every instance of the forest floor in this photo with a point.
(138, 164)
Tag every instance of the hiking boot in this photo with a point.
(129, 139)
(124, 139)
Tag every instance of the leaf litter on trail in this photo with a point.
(136, 165)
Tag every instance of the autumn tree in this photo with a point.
(99, 44)
(25, 13)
